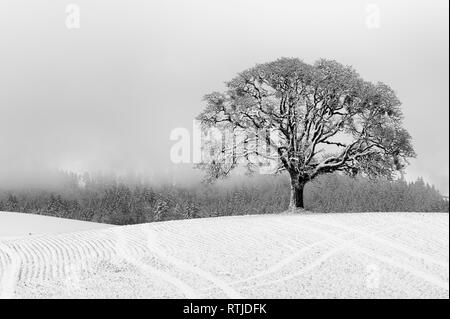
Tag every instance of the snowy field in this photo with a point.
(18, 225)
(369, 255)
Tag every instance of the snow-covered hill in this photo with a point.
(17, 224)
(373, 255)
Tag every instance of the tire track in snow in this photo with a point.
(10, 272)
(51, 257)
(388, 260)
(286, 261)
(225, 287)
(123, 251)
(385, 242)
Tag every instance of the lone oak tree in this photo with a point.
(318, 119)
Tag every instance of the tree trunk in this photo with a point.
(297, 186)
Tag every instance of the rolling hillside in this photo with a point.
(369, 255)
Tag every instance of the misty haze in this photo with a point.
(224, 149)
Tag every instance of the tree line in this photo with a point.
(114, 201)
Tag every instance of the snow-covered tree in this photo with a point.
(312, 119)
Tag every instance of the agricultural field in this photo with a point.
(340, 255)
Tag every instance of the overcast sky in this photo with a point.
(106, 96)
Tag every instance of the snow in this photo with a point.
(365, 255)
(18, 224)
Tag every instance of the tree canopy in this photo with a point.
(313, 119)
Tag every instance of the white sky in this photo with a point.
(107, 95)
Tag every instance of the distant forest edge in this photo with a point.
(109, 200)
